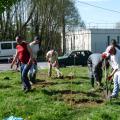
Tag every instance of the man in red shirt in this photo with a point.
(24, 54)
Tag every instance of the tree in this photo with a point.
(70, 18)
(47, 18)
(6, 4)
(56, 15)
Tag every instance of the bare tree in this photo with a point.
(47, 18)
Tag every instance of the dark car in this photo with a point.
(74, 58)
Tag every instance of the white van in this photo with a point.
(7, 49)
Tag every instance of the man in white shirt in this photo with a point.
(52, 58)
(115, 64)
(35, 48)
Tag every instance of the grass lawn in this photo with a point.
(70, 98)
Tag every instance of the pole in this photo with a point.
(72, 76)
(106, 81)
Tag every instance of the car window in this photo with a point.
(83, 53)
(87, 52)
(67, 54)
(72, 54)
(77, 54)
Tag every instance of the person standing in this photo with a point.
(35, 48)
(24, 54)
(94, 63)
(52, 58)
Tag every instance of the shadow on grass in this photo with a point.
(84, 77)
(74, 100)
(5, 86)
(106, 116)
(71, 77)
(43, 82)
(54, 92)
(115, 102)
(6, 78)
(39, 81)
(77, 83)
(87, 100)
(90, 94)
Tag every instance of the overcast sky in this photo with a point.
(93, 15)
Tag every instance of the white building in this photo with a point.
(95, 40)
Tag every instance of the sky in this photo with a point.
(96, 16)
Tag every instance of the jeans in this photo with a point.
(32, 73)
(24, 76)
(116, 80)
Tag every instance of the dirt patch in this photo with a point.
(43, 84)
(75, 98)
(85, 102)
(81, 101)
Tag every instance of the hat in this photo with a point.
(37, 38)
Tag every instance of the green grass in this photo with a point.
(56, 99)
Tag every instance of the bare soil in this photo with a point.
(69, 96)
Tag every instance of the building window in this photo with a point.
(74, 43)
(118, 39)
(108, 40)
(76, 37)
(71, 43)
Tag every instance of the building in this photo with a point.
(95, 40)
